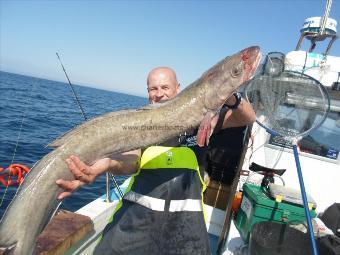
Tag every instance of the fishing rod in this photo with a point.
(74, 92)
(85, 118)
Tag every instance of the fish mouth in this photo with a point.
(251, 58)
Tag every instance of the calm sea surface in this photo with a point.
(46, 109)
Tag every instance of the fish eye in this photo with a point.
(236, 71)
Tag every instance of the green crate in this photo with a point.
(257, 206)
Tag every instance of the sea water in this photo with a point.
(34, 112)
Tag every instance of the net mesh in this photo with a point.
(291, 104)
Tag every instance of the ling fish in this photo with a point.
(196, 106)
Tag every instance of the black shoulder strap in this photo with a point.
(221, 117)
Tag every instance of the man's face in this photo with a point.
(162, 85)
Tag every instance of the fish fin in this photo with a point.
(63, 138)
(214, 121)
(8, 250)
(59, 141)
(153, 106)
(204, 130)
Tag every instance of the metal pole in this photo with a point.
(108, 199)
(324, 19)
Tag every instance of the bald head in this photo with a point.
(162, 84)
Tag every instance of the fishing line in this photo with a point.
(85, 118)
(73, 91)
(24, 114)
(116, 184)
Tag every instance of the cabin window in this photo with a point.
(323, 141)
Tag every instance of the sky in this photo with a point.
(112, 45)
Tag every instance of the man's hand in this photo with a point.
(69, 187)
(81, 171)
(126, 163)
(83, 174)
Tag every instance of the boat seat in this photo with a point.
(265, 170)
(289, 195)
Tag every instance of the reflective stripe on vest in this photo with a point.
(160, 157)
(152, 203)
(191, 205)
(156, 204)
(166, 203)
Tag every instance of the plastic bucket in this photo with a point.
(272, 238)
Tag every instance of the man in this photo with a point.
(174, 226)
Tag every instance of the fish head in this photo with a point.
(228, 75)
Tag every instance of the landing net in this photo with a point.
(290, 104)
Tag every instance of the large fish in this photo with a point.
(197, 105)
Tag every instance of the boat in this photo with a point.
(230, 228)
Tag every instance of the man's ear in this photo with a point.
(178, 88)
